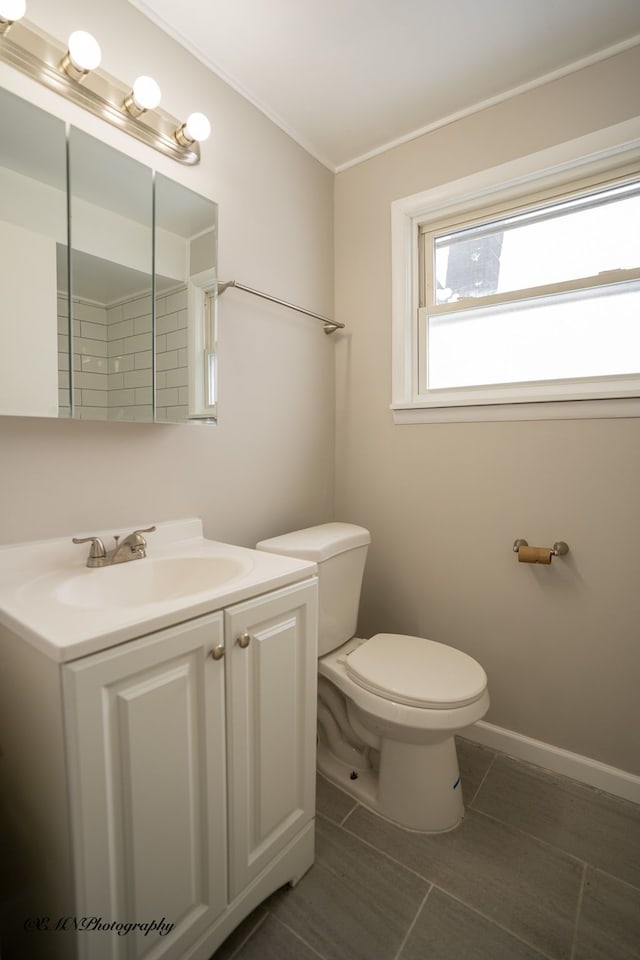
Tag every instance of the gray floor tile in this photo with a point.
(474, 762)
(447, 930)
(354, 903)
(332, 802)
(609, 925)
(523, 885)
(594, 826)
(241, 933)
(273, 941)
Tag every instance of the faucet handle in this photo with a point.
(146, 530)
(96, 550)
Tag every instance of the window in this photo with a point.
(525, 292)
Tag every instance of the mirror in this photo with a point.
(124, 327)
(186, 247)
(111, 243)
(33, 238)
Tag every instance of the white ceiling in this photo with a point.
(348, 78)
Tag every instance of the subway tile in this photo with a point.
(448, 930)
(115, 314)
(121, 363)
(177, 378)
(167, 361)
(90, 413)
(120, 330)
(93, 331)
(177, 301)
(609, 923)
(92, 348)
(587, 823)
(122, 398)
(167, 323)
(354, 903)
(88, 312)
(143, 360)
(136, 308)
(90, 364)
(137, 343)
(92, 381)
(176, 414)
(143, 324)
(516, 881)
(143, 395)
(137, 378)
(95, 398)
(167, 398)
(183, 359)
(177, 339)
(183, 319)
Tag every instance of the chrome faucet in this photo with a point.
(133, 547)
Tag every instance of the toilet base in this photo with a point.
(416, 787)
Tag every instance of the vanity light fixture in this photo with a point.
(73, 72)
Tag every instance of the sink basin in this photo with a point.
(150, 580)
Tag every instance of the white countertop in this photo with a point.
(35, 600)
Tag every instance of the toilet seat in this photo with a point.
(416, 671)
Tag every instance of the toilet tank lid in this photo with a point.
(318, 543)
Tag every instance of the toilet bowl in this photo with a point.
(389, 706)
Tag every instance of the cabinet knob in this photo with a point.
(244, 640)
(218, 652)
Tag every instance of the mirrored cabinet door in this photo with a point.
(186, 248)
(33, 236)
(106, 313)
(111, 241)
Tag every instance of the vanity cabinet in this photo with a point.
(190, 770)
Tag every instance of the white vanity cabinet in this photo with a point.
(190, 771)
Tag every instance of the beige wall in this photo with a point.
(268, 465)
(444, 502)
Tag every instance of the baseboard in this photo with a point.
(573, 765)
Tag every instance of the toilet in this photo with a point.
(388, 707)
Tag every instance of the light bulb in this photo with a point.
(10, 11)
(197, 128)
(146, 93)
(144, 96)
(84, 51)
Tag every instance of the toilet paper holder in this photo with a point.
(559, 549)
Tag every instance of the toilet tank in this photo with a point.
(340, 551)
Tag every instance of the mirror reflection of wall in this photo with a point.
(186, 256)
(111, 211)
(33, 237)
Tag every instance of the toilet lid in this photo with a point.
(416, 671)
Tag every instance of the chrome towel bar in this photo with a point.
(330, 326)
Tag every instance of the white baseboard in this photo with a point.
(573, 765)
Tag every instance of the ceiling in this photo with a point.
(349, 78)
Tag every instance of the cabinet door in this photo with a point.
(271, 709)
(146, 729)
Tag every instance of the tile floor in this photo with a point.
(541, 867)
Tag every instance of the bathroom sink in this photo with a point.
(147, 581)
(53, 600)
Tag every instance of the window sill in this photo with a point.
(609, 409)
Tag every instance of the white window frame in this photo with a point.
(612, 152)
(202, 303)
